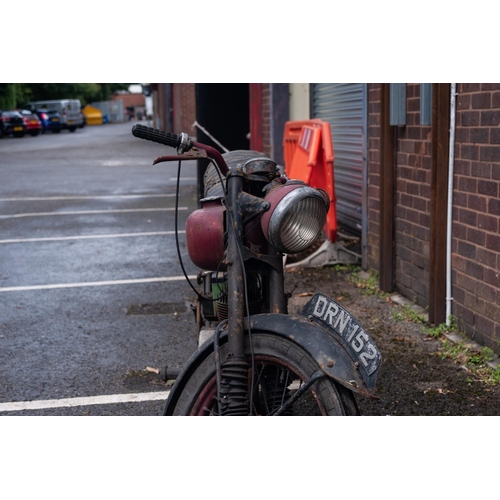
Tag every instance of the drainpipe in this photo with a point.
(451, 162)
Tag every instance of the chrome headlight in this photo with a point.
(296, 217)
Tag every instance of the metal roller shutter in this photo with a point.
(343, 105)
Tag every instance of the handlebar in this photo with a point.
(155, 135)
(181, 142)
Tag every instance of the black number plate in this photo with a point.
(341, 324)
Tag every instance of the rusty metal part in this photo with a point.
(194, 154)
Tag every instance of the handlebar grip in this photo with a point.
(156, 135)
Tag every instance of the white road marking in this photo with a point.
(90, 197)
(89, 236)
(87, 212)
(84, 401)
(94, 283)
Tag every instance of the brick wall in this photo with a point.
(374, 132)
(412, 196)
(412, 212)
(184, 104)
(476, 212)
(266, 119)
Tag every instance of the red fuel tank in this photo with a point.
(205, 235)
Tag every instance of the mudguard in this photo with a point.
(335, 340)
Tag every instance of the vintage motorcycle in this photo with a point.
(257, 359)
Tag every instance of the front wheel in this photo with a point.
(280, 368)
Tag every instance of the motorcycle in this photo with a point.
(257, 359)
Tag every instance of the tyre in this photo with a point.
(280, 368)
(34, 133)
(56, 131)
(72, 129)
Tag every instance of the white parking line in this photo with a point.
(94, 283)
(93, 400)
(90, 236)
(90, 197)
(87, 212)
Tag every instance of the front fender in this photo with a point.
(332, 356)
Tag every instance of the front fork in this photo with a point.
(233, 397)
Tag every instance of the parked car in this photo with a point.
(69, 110)
(32, 123)
(12, 123)
(51, 120)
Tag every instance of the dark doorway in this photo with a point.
(222, 109)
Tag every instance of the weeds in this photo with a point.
(406, 313)
(476, 361)
(441, 329)
(367, 286)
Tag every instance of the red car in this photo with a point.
(32, 123)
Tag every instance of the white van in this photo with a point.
(69, 109)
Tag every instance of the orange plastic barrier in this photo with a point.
(308, 154)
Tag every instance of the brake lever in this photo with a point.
(193, 154)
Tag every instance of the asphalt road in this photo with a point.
(86, 242)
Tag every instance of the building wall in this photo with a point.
(374, 152)
(412, 213)
(266, 119)
(184, 105)
(476, 212)
(300, 101)
(476, 206)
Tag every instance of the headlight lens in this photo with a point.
(296, 217)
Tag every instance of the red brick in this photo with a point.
(492, 276)
(481, 101)
(466, 283)
(474, 270)
(494, 207)
(469, 152)
(493, 242)
(487, 222)
(420, 204)
(479, 169)
(467, 217)
(424, 219)
(490, 118)
(490, 86)
(469, 118)
(467, 250)
(495, 100)
(481, 135)
(467, 184)
(463, 102)
(460, 199)
(469, 87)
(490, 153)
(462, 167)
(462, 135)
(476, 236)
(488, 188)
(486, 257)
(458, 262)
(486, 292)
(477, 203)
(459, 231)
